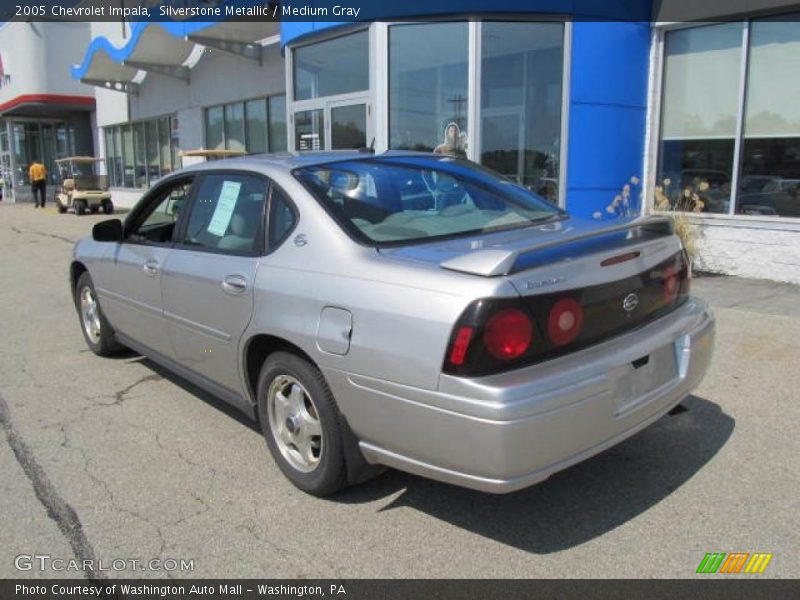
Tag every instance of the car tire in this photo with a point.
(97, 331)
(295, 402)
(80, 207)
(108, 207)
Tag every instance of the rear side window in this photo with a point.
(281, 218)
(227, 214)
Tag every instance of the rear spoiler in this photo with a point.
(497, 261)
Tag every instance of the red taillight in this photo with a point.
(460, 346)
(508, 334)
(565, 321)
(671, 284)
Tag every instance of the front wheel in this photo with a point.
(301, 424)
(108, 207)
(96, 329)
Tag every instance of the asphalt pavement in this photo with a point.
(116, 459)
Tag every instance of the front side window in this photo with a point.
(333, 67)
(428, 101)
(227, 214)
(405, 200)
(156, 223)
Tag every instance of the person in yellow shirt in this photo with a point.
(38, 177)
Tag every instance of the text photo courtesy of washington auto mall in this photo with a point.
(397, 300)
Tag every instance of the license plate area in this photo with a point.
(641, 377)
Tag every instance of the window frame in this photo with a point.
(377, 96)
(654, 117)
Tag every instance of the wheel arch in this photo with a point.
(257, 349)
(76, 269)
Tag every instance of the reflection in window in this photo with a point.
(277, 124)
(349, 127)
(521, 71)
(138, 154)
(256, 112)
(309, 127)
(215, 138)
(700, 104)
(234, 126)
(770, 178)
(332, 67)
(428, 87)
(248, 126)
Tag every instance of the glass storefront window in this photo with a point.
(140, 154)
(277, 124)
(153, 158)
(349, 127)
(770, 178)
(332, 67)
(234, 126)
(428, 99)
(309, 127)
(164, 145)
(699, 114)
(256, 114)
(215, 136)
(137, 154)
(521, 83)
(129, 169)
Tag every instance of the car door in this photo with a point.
(208, 278)
(130, 288)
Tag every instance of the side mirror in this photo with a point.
(107, 231)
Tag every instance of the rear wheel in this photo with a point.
(80, 207)
(108, 207)
(301, 424)
(96, 329)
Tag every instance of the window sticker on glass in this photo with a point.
(225, 205)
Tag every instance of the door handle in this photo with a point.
(150, 267)
(234, 284)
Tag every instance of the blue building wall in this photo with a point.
(607, 106)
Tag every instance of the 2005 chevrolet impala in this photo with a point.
(406, 310)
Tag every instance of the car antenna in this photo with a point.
(370, 148)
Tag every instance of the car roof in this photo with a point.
(288, 161)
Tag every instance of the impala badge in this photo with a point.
(630, 302)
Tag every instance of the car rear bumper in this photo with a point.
(505, 432)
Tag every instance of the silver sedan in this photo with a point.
(405, 310)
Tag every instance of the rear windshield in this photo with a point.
(411, 199)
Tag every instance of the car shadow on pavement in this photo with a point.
(576, 505)
(198, 392)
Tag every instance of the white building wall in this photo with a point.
(37, 56)
(748, 247)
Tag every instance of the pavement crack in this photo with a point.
(121, 395)
(58, 509)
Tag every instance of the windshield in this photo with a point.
(409, 199)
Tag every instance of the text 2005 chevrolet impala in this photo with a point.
(404, 310)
